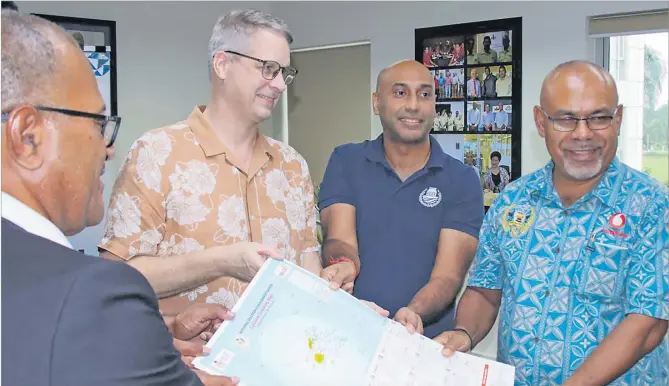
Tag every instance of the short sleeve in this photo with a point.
(486, 269)
(135, 222)
(111, 331)
(335, 188)
(647, 282)
(466, 215)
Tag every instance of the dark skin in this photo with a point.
(405, 102)
(578, 89)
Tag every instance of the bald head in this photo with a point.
(32, 53)
(574, 76)
(400, 70)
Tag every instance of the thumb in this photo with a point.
(337, 279)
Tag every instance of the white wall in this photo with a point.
(553, 32)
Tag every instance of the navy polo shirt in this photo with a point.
(398, 223)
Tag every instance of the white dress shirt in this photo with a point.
(33, 222)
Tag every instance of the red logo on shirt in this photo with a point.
(617, 221)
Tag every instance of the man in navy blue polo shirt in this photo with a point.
(401, 211)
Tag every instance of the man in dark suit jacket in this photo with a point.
(69, 319)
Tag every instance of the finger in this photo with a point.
(216, 380)
(205, 336)
(376, 307)
(268, 251)
(188, 360)
(191, 348)
(348, 287)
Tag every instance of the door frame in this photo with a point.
(283, 100)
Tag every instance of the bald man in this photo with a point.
(405, 214)
(574, 256)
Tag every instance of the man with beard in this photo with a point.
(406, 213)
(488, 55)
(574, 256)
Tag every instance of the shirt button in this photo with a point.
(547, 292)
(536, 339)
(565, 212)
(557, 250)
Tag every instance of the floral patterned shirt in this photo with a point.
(177, 193)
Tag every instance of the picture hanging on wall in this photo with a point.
(97, 38)
(477, 78)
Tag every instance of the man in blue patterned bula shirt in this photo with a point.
(575, 256)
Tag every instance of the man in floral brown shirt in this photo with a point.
(199, 204)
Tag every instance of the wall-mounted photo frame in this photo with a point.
(97, 38)
(477, 71)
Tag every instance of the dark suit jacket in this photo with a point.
(70, 319)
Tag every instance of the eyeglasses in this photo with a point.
(109, 124)
(567, 124)
(270, 68)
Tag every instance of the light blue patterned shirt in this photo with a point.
(569, 276)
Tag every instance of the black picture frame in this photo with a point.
(449, 53)
(102, 34)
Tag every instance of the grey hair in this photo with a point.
(233, 31)
(29, 58)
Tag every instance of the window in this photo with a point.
(638, 59)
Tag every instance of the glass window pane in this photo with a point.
(639, 65)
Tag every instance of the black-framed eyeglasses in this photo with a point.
(109, 124)
(595, 122)
(270, 68)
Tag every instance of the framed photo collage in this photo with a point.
(477, 78)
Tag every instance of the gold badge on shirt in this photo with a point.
(517, 219)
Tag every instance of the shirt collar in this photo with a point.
(210, 143)
(31, 221)
(375, 152)
(603, 191)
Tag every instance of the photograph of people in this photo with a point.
(474, 122)
(489, 84)
(487, 55)
(471, 162)
(473, 84)
(504, 55)
(487, 118)
(458, 121)
(457, 83)
(442, 52)
(503, 84)
(496, 177)
(445, 118)
(472, 58)
(502, 121)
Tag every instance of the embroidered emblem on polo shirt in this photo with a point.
(430, 197)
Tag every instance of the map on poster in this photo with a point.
(291, 329)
